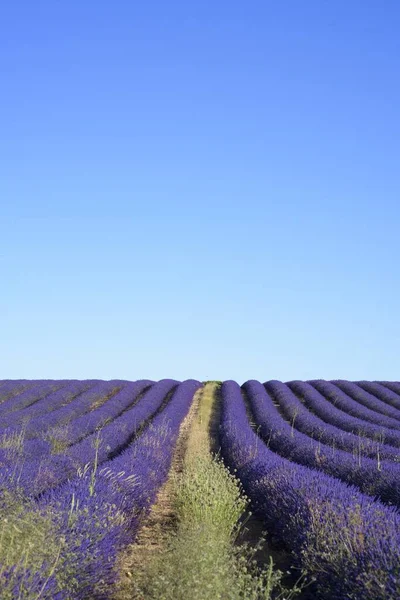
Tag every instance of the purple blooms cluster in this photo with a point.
(13, 387)
(394, 386)
(381, 479)
(45, 471)
(302, 419)
(46, 404)
(98, 489)
(363, 397)
(59, 430)
(64, 410)
(317, 404)
(353, 407)
(381, 391)
(348, 541)
(30, 396)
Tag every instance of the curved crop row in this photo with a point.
(348, 541)
(370, 476)
(380, 391)
(308, 423)
(12, 387)
(58, 438)
(318, 404)
(123, 401)
(85, 402)
(107, 506)
(351, 406)
(394, 386)
(31, 395)
(366, 399)
(47, 404)
(37, 476)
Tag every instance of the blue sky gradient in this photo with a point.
(206, 190)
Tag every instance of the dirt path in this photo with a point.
(160, 520)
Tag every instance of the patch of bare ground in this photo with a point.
(161, 519)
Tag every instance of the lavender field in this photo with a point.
(82, 462)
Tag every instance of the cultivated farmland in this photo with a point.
(142, 489)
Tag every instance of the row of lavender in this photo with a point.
(321, 469)
(113, 451)
(370, 466)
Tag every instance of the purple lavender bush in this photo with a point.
(376, 477)
(381, 392)
(365, 398)
(302, 419)
(317, 404)
(351, 406)
(349, 542)
(90, 514)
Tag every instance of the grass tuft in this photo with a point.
(29, 543)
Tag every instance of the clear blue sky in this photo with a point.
(200, 189)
